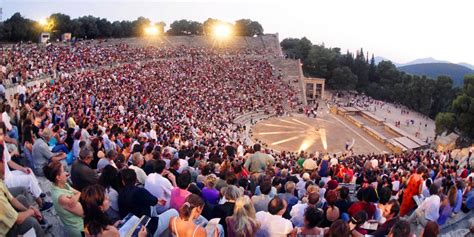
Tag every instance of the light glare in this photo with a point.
(222, 30)
(151, 30)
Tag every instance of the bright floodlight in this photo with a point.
(43, 22)
(222, 30)
(151, 30)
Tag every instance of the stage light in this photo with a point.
(43, 22)
(222, 30)
(306, 144)
(151, 30)
(322, 133)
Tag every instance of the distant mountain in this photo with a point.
(433, 70)
(467, 65)
(379, 59)
(423, 61)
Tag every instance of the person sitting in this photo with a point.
(209, 193)
(107, 160)
(133, 199)
(338, 228)
(312, 219)
(139, 202)
(95, 202)
(222, 211)
(42, 154)
(429, 208)
(272, 222)
(261, 201)
(363, 204)
(184, 225)
(20, 176)
(110, 180)
(343, 202)
(331, 212)
(447, 204)
(17, 217)
(137, 163)
(400, 229)
(297, 212)
(157, 183)
(179, 194)
(81, 174)
(431, 229)
(391, 214)
(243, 222)
(289, 197)
(65, 199)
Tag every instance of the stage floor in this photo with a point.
(326, 134)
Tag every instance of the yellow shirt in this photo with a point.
(8, 214)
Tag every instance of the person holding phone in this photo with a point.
(96, 222)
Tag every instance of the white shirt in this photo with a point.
(273, 225)
(21, 89)
(6, 121)
(7, 156)
(333, 161)
(159, 186)
(153, 134)
(297, 214)
(240, 151)
(141, 175)
(113, 197)
(431, 207)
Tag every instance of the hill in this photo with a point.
(433, 70)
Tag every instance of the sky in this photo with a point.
(401, 30)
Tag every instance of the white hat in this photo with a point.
(306, 176)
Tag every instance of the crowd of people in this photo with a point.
(157, 138)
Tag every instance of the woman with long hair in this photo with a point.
(243, 222)
(96, 223)
(110, 180)
(313, 217)
(65, 199)
(183, 225)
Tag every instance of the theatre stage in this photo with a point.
(326, 134)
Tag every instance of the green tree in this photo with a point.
(445, 122)
(443, 95)
(185, 27)
(139, 25)
(17, 28)
(247, 27)
(89, 26)
(61, 23)
(361, 69)
(373, 70)
(342, 79)
(208, 26)
(105, 28)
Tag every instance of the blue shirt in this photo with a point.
(470, 199)
(457, 206)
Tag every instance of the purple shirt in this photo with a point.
(178, 197)
(210, 195)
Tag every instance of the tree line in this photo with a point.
(18, 28)
(451, 107)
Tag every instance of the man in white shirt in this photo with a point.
(160, 186)
(12, 130)
(297, 211)
(22, 92)
(272, 223)
(137, 163)
(429, 208)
